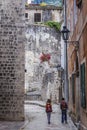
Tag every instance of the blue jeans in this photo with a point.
(64, 116)
(48, 117)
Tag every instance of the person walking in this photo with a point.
(48, 110)
(63, 107)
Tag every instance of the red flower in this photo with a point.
(45, 57)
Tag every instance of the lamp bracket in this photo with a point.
(75, 43)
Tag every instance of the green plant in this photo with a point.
(53, 24)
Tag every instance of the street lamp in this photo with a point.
(65, 33)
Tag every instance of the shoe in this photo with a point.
(48, 122)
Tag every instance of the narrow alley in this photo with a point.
(43, 64)
(36, 119)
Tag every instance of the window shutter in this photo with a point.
(73, 88)
(83, 94)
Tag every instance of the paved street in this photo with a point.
(36, 119)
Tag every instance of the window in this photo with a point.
(73, 88)
(82, 78)
(37, 17)
(26, 15)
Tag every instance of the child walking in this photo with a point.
(63, 107)
(48, 110)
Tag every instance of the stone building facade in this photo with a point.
(12, 58)
(41, 38)
(37, 44)
(37, 13)
(77, 61)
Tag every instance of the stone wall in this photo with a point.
(48, 13)
(11, 60)
(42, 39)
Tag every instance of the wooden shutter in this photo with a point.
(73, 88)
(83, 94)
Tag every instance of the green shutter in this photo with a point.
(83, 94)
(73, 88)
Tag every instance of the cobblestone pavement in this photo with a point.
(36, 120)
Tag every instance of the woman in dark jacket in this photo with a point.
(48, 110)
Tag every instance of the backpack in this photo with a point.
(63, 105)
(48, 108)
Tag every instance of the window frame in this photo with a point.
(37, 18)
